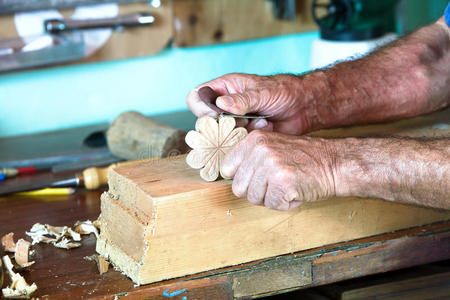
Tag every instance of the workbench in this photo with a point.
(65, 274)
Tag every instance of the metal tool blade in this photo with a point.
(209, 96)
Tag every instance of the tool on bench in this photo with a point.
(12, 172)
(56, 26)
(90, 178)
(209, 96)
(133, 136)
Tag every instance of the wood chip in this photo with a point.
(22, 253)
(8, 242)
(65, 243)
(19, 288)
(210, 142)
(85, 227)
(102, 263)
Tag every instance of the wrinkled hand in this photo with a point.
(281, 171)
(278, 95)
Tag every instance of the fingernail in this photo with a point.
(261, 123)
(225, 101)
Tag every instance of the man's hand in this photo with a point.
(279, 95)
(281, 171)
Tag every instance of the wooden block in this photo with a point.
(160, 220)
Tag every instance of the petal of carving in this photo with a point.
(209, 128)
(211, 170)
(222, 153)
(198, 158)
(196, 140)
(234, 137)
(226, 126)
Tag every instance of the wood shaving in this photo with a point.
(210, 142)
(65, 243)
(22, 253)
(19, 288)
(8, 242)
(102, 263)
(86, 227)
(60, 236)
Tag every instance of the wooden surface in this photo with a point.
(64, 274)
(205, 22)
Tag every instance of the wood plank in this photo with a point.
(185, 225)
(435, 286)
(205, 22)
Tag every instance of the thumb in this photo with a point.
(239, 104)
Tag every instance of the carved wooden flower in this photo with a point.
(210, 142)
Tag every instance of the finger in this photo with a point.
(197, 106)
(294, 204)
(234, 158)
(260, 124)
(273, 195)
(244, 175)
(258, 187)
(239, 104)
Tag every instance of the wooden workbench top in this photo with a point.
(64, 274)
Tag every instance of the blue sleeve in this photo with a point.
(447, 14)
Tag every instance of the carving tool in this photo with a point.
(90, 178)
(209, 97)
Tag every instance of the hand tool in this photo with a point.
(25, 52)
(12, 172)
(133, 136)
(91, 178)
(57, 26)
(209, 96)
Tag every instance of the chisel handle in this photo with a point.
(95, 177)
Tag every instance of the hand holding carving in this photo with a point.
(210, 142)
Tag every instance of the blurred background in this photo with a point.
(152, 69)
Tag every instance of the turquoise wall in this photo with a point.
(62, 97)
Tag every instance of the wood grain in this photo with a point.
(204, 22)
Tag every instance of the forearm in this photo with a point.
(395, 169)
(408, 78)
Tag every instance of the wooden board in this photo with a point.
(205, 22)
(159, 220)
